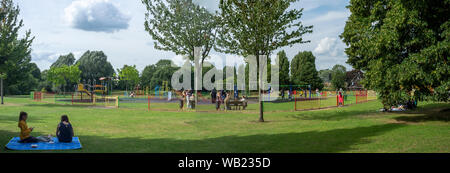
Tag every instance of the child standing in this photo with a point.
(340, 99)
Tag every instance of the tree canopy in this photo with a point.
(64, 74)
(402, 46)
(129, 75)
(283, 64)
(338, 77)
(94, 65)
(325, 75)
(304, 72)
(68, 60)
(258, 27)
(154, 75)
(179, 26)
(14, 51)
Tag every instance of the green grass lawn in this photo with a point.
(355, 128)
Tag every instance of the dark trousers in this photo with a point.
(30, 139)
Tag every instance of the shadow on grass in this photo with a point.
(337, 140)
(332, 114)
(426, 113)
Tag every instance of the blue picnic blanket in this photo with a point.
(15, 145)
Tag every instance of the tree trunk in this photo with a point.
(261, 108)
(1, 87)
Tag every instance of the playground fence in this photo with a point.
(75, 99)
(273, 102)
(309, 100)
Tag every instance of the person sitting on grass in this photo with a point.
(24, 130)
(64, 131)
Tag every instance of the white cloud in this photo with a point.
(327, 46)
(95, 15)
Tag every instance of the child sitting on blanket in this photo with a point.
(24, 130)
(64, 131)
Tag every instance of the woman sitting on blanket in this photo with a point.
(24, 130)
(64, 131)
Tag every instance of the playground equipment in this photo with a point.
(81, 89)
(100, 89)
(162, 90)
(107, 83)
(36, 96)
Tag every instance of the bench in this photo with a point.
(237, 104)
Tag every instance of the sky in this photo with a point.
(116, 27)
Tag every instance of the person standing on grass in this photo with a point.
(24, 130)
(219, 97)
(64, 131)
(227, 101)
(213, 95)
(188, 99)
(340, 99)
(182, 100)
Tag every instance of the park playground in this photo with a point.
(167, 100)
(164, 128)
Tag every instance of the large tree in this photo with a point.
(258, 27)
(338, 77)
(402, 46)
(304, 72)
(180, 26)
(325, 75)
(283, 64)
(65, 60)
(14, 51)
(155, 75)
(94, 65)
(68, 60)
(44, 84)
(63, 75)
(129, 75)
(147, 75)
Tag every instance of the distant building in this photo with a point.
(353, 79)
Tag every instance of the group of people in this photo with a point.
(218, 98)
(64, 131)
(223, 97)
(187, 96)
